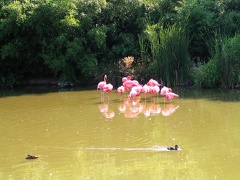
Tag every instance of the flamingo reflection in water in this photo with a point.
(132, 109)
(169, 109)
(122, 108)
(106, 111)
(152, 109)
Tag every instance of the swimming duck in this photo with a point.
(172, 148)
(31, 157)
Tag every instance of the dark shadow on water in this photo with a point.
(19, 91)
(224, 95)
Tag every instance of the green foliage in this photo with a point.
(207, 76)
(99, 36)
(224, 69)
(78, 40)
(11, 60)
(169, 53)
(226, 16)
(228, 61)
(127, 46)
(173, 60)
(200, 29)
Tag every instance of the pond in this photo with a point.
(78, 134)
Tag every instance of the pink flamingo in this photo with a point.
(145, 89)
(170, 96)
(133, 93)
(126, 78)
(153, 82)
(121, 90)
(108, 88)
(155, 89)
(138, 89)
(128, 84)
(136, 82)
(102, 83)
(165, 90)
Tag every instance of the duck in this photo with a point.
(31, 157)
(173, 148)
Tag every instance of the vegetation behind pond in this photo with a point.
(178, 42)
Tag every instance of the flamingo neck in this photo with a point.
(105, 78)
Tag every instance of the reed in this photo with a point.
(173, 62)
(143, 44)
(165, 53)
(227, 59)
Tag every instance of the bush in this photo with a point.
(206, 75)
(227, 59)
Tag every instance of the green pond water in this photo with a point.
(78, 134)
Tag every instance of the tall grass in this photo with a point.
(227, 57)
(169, 53)
(223, 70)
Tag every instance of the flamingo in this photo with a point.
(126, 78)
(153, 82)
(165, 90)
(128, 84)
(108, 88)
(138, 89)
(136, 83)
(155, 89)
(170, 96)
(120, 90)
(102, 83)
(133, 93)
(145, 89)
